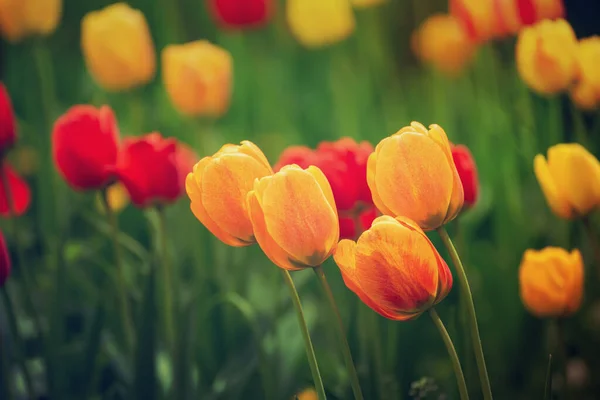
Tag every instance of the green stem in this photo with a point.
(560, 347)
(472, 317)
(460, 378)
(14, 327)
(593, 237)
(169, 279)
(121, 287)
(310, 351)
(339, 325)
(376, 339)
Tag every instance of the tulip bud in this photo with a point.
(546, 56)
(551, 281)
(19, 191)
(117, 197)
(84, 146)
(235, 14)
(586, 93)
(412, 174)
(294, 217)
(5, 265)
(306, 394)
(467, 170)
(197, 77)
(394, 269)
(318, 23)
(8, 132)
(217, 188)
(21, 18)
(477, 16)
(118, 48)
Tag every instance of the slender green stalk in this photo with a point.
(376, 339)
(169, 279)
(310, 351)
(339, 326)
(593, 237)
(560, 347)
(124, 311)
(460, 378)
(472, 317)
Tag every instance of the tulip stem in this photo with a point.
(593, 237)
(460, 378)
(472, 317)
(341, 333)
(168, 305)
(310, 351)
(121, 287)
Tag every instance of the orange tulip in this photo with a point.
(551, 281)
(294, 217)
(394, 269)
(21, 18)
(217, 188)
(412, 174)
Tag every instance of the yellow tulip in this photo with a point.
(318, 23)
(584, 95)
(307, 394)
(586, 92)
(570, 179)
(118, 48)
(217, 188)
(551, 281)
(546, 56)
(117, 197)
(412, 174)
(20, 18)
(294, 217)
(366, 3)
(198, 77)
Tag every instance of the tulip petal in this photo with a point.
(555, 199)
(371, 173)
(20, 193)
(576, 284)
(324, 184)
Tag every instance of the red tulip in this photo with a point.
(241, 14)
(153, 169)
(85, 146)
(19, 190)
(467, 170)
(4, 261)
(8, 134)
(344, 163)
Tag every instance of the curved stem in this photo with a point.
(339, 326)
(168, 283)
(310, 351)
(121, 289)
(472, 317)
(460, 378)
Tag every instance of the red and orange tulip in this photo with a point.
(467, 170)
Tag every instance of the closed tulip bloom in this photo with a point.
(585, 96)
(85, 146)
(479, 17)
(588, 59)
(198, 77)
(217, 188)
(570, 179)
(117, 47)
(5, 265)
(117, 197)
(546, 56)
(394, 269)
(318, 23)
(20, 193)
(236, 14)
(294, 217)
(307, 394)
(412, 174)
(8, 132)
(532, 11)
(467, 170)
(21, 18)
(551, 281)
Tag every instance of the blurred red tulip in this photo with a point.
(153, 169)
(4, 261)
(8, 134)
(240, 14)
(19, 190)
(467, 170)
(85, 146)
(344, 163)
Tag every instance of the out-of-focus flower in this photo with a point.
(551, 281)
(198, 77)
(467, 170)
(153, 169)
(584, 96)
(546, 56)
(306, 394)
(532, 11)
(344, 163)
(217, 188)
(20, 18)
(8, 132)
(570, 179)
(5, 265)
(85, 146)
(478, 17)
(19, 190)
(294, 217)
(117, 197)
(586, 92)
(318, 23)
(412, 174)
(118, 48)
(394, 269)
(366, 3)
(442, 41)
(236, 14)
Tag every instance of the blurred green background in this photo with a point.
(236, 317)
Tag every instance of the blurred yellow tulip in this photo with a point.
(118, 48)
(217, 188)
(318, 23)
(306, 394)
(117, 197)
(546, 56)
(586, 92)
(570, 179)
(198, 77)
(584, 95)
(551, 281)
(20, 18)
(366, 3)
(412, 174)
(294, 217)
